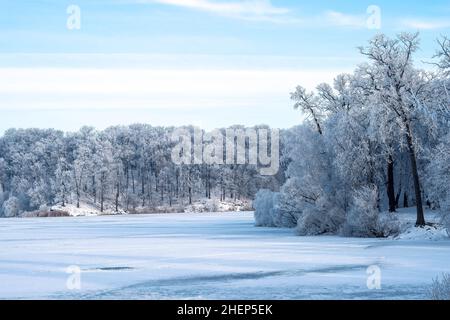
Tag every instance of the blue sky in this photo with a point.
(212, 63)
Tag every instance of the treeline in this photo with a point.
(120, 168)
(376, 140)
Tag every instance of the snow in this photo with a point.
(434, 232)
(202, 205)
(214, 205)
(84, 210)
(205, 256)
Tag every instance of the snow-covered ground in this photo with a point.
(201, 205)
(208, 256)
(435, 231)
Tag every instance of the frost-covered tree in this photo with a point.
(401, 90)
(370, 130)
(3, 168)
(324, 217)
(438, 174)
(102, 169)
(266, 208)
(62, 181)
(364, 218)
(309, 104)
(443, 54)
(121, 167)
(291, 202)
(11, 207)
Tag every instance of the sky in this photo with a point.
(211, 63)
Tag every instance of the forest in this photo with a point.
(376, 140)
(121, 169)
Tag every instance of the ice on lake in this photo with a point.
(204, 256)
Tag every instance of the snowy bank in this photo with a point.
(87, 209)
(434, 230)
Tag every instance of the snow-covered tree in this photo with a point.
(291, 202)
(401, 90)
(364, 218)
(371, 130)
(324, 217)
(266, 208)
(121, 167)
(62, 181)
(438, 175)
(443, 54)
(11, 207)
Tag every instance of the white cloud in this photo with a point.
(264, 10)
(248, 9)
(84, 88)
(420, 24)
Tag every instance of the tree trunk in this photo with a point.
(64, 196)
(102, 198)
(132, 181)
(94, 189)
(102, 190)
(117, 197)
(190, 195)
(143, 187)
(78, 197)
(397, 198)
(412, 155)
(316, 120)
(390, 184)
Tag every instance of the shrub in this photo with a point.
(364, 218)
(323, 217)
(440, 288)
(2, 200)
(266, 208)
(11, 207)
(45, 214)
(446, 221)
(291, 203)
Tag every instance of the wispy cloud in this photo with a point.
(340, 19)
(425, 24)
(264, 10)
(247, 9)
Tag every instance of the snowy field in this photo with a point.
(205, 256)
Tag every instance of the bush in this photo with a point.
(438, 175)
(11, 207)
(446, 223)
(323, 217)
(45, 214)
(440, 288)
(291, 203)
(365, 220)
(2, 200)
(266, 208)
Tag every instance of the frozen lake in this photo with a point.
(204, 256)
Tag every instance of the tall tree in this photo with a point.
(400, 88)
